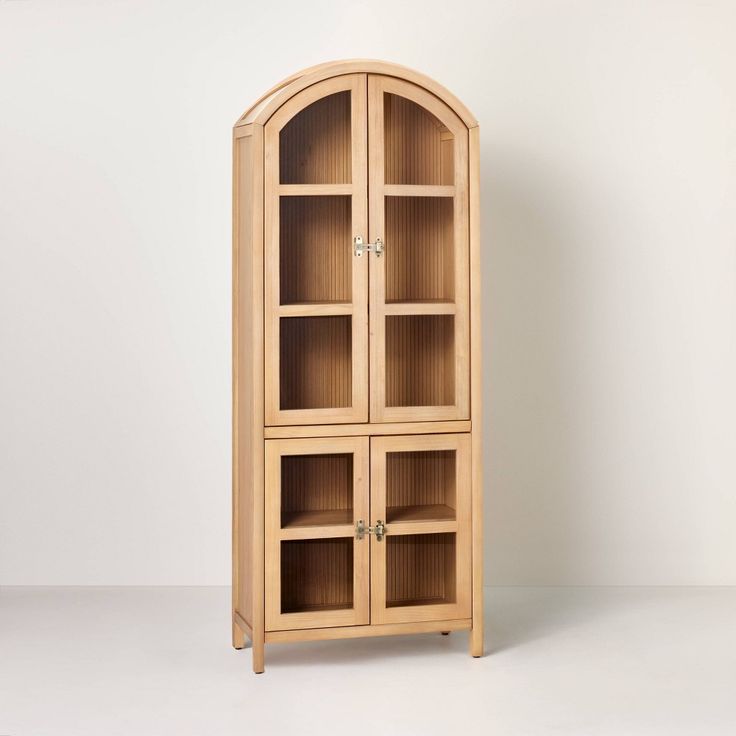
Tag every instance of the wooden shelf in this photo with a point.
(425, 306)
(418, 190)
(428, 512)
(420, 301)
(315, 190)
(316, 607)
(315, 309)
(354, 378)
(418, 602)
(329, 517)
(316, 490)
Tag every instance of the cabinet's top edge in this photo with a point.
(269, 102)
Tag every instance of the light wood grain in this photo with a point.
(476, 379)
(243, 131)
(418, 147)
(318, 365)
(316, 484)
(313, 190)
(318, 530)
(420, 512)
(238, 637)
(356, 632)
(244, 627)
(247, 408)
(419, 366)
(315, 146)
(328, 426)
(383, 428)
(315, 309)
(315, 259)
(420, 361)
(418, 190)
(420, 485)
(420, 264)
(320, 517)
(315, 577)
(239, 216)
(315, 363)
(421, 571)
(429, 306)
(261, 110)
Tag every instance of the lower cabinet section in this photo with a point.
(365, 531)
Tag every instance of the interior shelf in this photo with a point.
(315, 146)
(328, 517)
(421, 512)
(315, 249)
(418, 147)
(316, 490)
(438, 301)
(419, 255)
(420, 360)
(316, 575)
(315, 363)
(420, 569)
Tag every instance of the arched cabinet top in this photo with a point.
(260, 112)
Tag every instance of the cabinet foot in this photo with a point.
(476, 642)
(238, 637)
(445, 633)
(258, 654)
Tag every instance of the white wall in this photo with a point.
(609, 182)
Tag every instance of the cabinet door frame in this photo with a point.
(461, 526)
(359, 614)
(378, 190)
(357, 308)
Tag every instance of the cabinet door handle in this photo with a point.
(359, 246)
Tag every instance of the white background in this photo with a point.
(609, 182)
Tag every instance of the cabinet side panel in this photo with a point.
(248, 380)
(476, 389)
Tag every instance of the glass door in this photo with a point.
(418, 203)
(316, 308)
(316, 567)
(420, 491)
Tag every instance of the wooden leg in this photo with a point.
(476, 641)
(238, 637)
(258, 652)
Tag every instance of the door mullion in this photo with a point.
(376, 278)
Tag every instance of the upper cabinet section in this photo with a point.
(316, 291)
(366, 254)
(419, 306)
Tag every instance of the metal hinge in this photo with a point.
(379, 530)
(359, 246)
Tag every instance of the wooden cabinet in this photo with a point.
(357, 490)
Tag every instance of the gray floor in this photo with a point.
(588, 661)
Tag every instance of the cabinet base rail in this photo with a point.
(356, 632)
